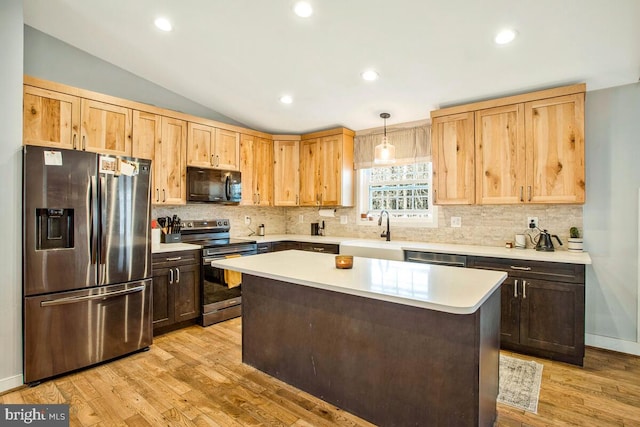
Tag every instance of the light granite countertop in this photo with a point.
(447, 289)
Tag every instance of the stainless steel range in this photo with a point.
(221, 291)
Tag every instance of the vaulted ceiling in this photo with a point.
(238, 57)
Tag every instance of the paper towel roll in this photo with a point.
(327, 212)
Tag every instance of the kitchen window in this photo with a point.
(403, 190)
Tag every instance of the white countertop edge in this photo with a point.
(173, 247)
(231, 264)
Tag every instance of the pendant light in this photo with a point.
(385, 152)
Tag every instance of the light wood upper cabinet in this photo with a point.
(453, 159)
(163, 139)
(286, 175)
(528, 149)
(310, 172)
(50, 119)
(326, 168)
(209, 147)
(256, 166)
(105, 128)
(500, 155)
(555, 150)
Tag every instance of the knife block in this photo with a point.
(171, 238)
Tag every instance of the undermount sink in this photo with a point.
(373, 249)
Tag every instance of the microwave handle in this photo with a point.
(227, 188)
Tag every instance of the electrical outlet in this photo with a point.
(456, 221)
(344, 219)
(532, 222)
(247, 220)
(300, 219)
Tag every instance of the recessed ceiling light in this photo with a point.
(370, 75)
(163, 24)
(505, 36)
(303, 9)
(286, 99)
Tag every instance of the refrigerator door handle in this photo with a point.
(102, 225)
(73, 300)
(92, 220)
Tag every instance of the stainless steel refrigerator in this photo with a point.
(86, 259)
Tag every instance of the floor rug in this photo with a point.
(519, 383)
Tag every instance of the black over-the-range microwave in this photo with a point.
(213, 186)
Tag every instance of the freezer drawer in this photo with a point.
(71, 330)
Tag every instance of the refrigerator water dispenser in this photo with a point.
(54, 228)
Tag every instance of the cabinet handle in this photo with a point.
(217, 160)
(320, 199)
(177, 258)
(515, 289)
(211, 161)
(522, 193)
(171, 276)
(435, 196)
(84, 143)
(514, 267)
(529, 188)
(524, 289)
(177, 275)
(318, 249)
(297, 200)
(164, 195)
(74, 140)
(258, 194)
(157, 194)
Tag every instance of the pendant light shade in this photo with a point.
(385, 152)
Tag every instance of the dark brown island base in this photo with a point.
(390, 363)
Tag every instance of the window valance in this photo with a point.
(412, 145)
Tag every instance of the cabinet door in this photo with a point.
(105, 128)
(171, 168)
(200, 140)
(147, 129)
(510, 310)
(186, 288)
(286, 177)
(284, 246)
(555, 150)
(226, 150)
(162, 298)
(552, 316)
(452, 145)
(50, 118)
(330, 170)
(263, 171)
(309, 172)
(500, 155)
(247, 161)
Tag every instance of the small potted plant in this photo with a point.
(575, 240)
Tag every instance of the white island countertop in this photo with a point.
(447, 289)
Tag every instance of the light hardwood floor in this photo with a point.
(194, 377)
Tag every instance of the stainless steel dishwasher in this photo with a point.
(436, 258)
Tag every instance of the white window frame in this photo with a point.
(371, 219)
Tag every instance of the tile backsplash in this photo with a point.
(481, 225)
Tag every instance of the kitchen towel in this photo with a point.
(233, 279)
(327, 212)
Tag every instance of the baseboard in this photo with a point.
(615, 344)
(10, 383)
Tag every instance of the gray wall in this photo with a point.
(610, 215)
(11, 46)
(48, 58)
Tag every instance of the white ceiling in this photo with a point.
(238, 57)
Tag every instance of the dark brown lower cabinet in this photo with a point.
(327, 248)
(542, 308)
(176, 290)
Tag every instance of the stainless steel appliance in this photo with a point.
(544, 243)
(221, 300)
(450, 260)
(86, 259)
(213, 186)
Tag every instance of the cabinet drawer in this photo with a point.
(554, 271)
(175, 259)
(264, 248)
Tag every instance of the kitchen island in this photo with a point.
(394, 343)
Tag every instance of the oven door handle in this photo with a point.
(208, 260)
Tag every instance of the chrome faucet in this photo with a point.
(387, 233)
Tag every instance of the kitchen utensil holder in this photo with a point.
(171, 238)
